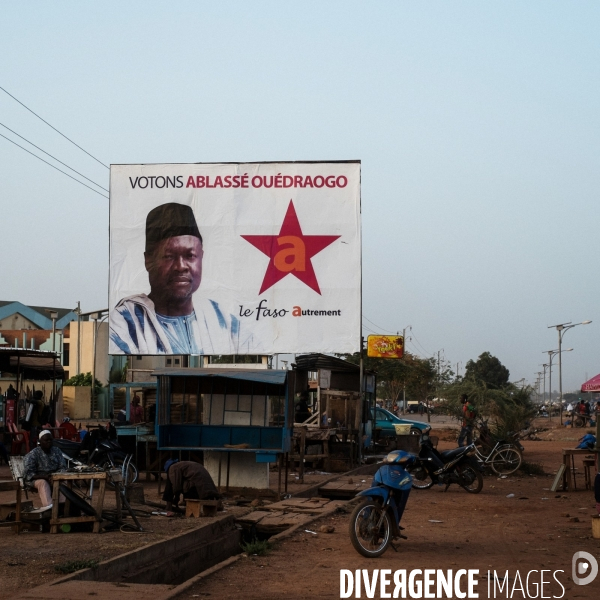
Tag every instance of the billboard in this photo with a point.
(385, 346)
(235, 258)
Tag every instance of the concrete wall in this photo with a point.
(77, 401)
(81, 349)
(17, 321)
(244, 471)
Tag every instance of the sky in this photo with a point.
(476, 124)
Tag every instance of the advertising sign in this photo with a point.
(244, 258)
(385, 346)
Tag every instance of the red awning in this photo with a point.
(593, 385)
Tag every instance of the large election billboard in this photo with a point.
(235, 258)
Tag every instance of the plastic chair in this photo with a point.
(19, 440)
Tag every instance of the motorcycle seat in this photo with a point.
(67, 445)
(452, 454)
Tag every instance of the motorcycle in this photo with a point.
(98, 449)
(458, 465)
(375, 522)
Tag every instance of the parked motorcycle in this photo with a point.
(375, 522)
(98, 449)
(458, 465)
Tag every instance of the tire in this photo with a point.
(76, 500)
(415, 431)
(421, 478)
(506, 460)
(132, 472)
(473, 474)
(579, 422)
(363, 521)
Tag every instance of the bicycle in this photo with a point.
(504, 458)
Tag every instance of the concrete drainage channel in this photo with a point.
(165, 569)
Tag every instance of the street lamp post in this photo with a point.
(551, 355)
(544, 395)
(562, 328)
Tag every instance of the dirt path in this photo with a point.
(484, 531)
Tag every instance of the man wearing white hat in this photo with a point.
(40, 463)
(168, 320)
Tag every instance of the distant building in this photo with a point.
(30, 327)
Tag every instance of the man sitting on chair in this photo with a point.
(39, 465)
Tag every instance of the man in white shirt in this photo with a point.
(167, 320)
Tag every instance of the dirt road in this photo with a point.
(529, 531)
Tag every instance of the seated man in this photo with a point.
(190, 479)
(39, 465)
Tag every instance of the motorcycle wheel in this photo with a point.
(421, 478)
(476, 485)
(579, 422)
(367, 538)
(132, 472)
(506, 460)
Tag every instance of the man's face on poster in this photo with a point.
(174, 268)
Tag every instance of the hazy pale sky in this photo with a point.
(477, 125)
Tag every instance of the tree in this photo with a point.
(417, 374)
(489, 370)
(84, 379)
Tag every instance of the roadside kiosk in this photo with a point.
(241, 419)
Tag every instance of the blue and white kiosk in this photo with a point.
(241, 419)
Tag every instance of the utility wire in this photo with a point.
(45, 161)
(57, 131)
(54, 157)
(422, 347)
(380, 328)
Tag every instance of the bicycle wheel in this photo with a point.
(368, 537)
(506, 460)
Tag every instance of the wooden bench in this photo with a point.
(201, 508)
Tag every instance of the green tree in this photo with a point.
(84, 379)
(487, 369)
(417, 374)
(507, 409)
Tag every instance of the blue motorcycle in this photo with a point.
(375, 522)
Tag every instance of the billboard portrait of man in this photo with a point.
(234, 258)
(168, 320)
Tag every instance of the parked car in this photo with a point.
(385, 421)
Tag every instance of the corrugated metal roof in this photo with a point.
(314, 362)
(274, 376)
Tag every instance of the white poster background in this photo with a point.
(232, 268)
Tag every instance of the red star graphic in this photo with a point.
(290, 252)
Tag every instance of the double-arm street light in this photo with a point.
(562, 328)
(551, 355)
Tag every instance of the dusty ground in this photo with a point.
(481, 531)
(29, 560)
(484, 531)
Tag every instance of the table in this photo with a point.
(569, 482)
(6, 486)
(98, 500)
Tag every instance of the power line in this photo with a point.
(422, 347)
(380, 328)
(57, 131)
(45, 161)
(54, 157)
